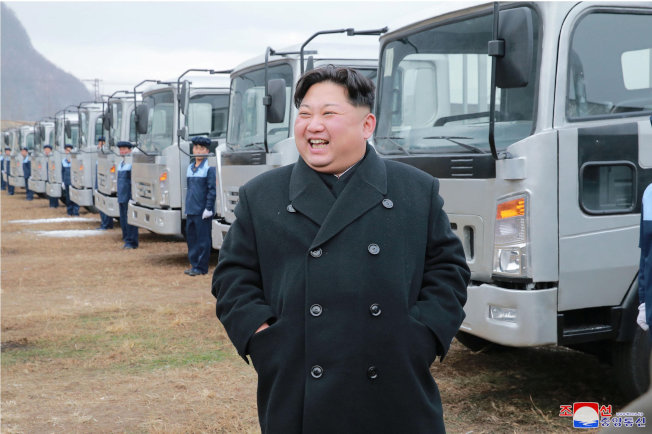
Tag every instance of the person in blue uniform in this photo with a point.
(47, 150)
(200, 200)
(71, 207)
(2, 165)
(106, 222)
(27, 172)
(129, 232)
(645, 268)
(6, 168)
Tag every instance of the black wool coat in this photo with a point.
(362, 293)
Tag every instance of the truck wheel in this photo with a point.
(631, 362)
(475, 343)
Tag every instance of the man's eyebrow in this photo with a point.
(328, 104)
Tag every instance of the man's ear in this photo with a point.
(369, 125)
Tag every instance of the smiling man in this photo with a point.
(340, 277)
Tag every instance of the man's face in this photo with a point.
(67, 150)
(47, 151)
(329, 131)
(100, 144)
(124, 150)
(23, 152)
(7, 152)
(199, 149)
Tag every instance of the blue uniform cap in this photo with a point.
(67, 145)
(101, 139)
(24, 149)
(7, 148)
(202, 141)
(125, 144)
(47, 146)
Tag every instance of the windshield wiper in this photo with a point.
(395, 143)
(453, 139)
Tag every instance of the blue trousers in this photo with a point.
(106, 221)
(198, 236)
(29, 194)
(4, 184)
(129, 232)
(10, 189)
(54, 202)
(71, 207)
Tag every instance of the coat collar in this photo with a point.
(310, 196)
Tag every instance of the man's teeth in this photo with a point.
(318, 143)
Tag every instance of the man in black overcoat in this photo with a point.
(341, 277)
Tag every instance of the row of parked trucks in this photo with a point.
(541, 141)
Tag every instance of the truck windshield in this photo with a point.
(207, 115)
(434, 92)
(247, 112)
(99, 131)
(83, 119)
(116, 125)
(29, 142)
(160, 125)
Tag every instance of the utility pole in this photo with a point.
(96, 87)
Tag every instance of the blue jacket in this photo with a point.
(6, 165)
(124, 182)
(201, 191)
(27, 167)
(645, 243)
(65, 171)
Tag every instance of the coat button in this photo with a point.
(373, 248)
(290, 208)
(372, 372)
(316, 371)
(316, 253)
(315, 310)
(374, 309)
(387, 203)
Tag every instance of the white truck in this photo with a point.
(83, 159)
(120, 123)
(261, 113)
(66, 130)
(542, 163)
(171, 114)
(43, 135)
(11, 141)
(25, 139)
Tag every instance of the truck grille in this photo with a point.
(144, 190)
(232, 197)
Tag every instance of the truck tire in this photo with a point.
(475, 343)
(631, 361)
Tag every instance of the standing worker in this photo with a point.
(47, 150)
(2, 166)
(6, 168)
(106, 222)
(71, 207)
(645, 267)
(27, 172)
(129, 232)
(341, 277)
(200, 200)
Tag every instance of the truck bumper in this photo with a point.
(82, 197)
(160, 221)
(53, 189)
(37, 186)
(218, 232)
(534, 315)
(106, 204)
(17, 181)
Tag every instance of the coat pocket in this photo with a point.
(264, 345)
(423, 342)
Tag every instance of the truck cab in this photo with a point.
(542, 163)
(25, 140)
(66, 130)
(158, 174)
(43, 135)
(119, 118)
(84, 158)
(258, 141)
(11, 141)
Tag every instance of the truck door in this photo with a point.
(602, 106)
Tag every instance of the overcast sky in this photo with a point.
(122, 43)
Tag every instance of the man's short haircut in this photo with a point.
(360, 89)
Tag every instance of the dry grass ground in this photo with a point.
(97, 339)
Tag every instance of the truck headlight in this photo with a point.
(164, 193)
(511, 243)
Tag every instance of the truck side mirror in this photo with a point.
(515, 28)
(276, 107)
(107, 120)
(142, 118)
(68, 129)
(41, 132)
(6, 139)
(184, 97)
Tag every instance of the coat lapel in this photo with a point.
(365, 189)
(308, 193)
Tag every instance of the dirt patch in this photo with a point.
(98, 339)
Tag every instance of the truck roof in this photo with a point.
(197, 81)
(337, 53)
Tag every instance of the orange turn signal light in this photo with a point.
(511, 208)
(163, 177)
